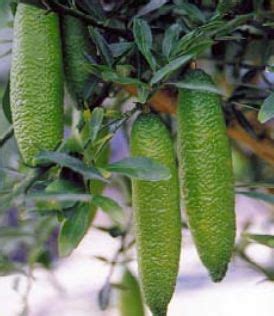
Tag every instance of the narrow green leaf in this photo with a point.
(266, 197)
(140, 168)
(52, 201)
(119, 49)
(198, 87)
(169, 68)
(109, 206)
(170, 38)
(267, 110)
(266, 240)
(74, 228)
(115, 77)
(93, 7)
(151, 6)
(65, 160)
(224, 6)
(143, 94)
(95, 123)
(143, 39)
(101, 45)
(192, 12)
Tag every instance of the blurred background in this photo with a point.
(36, 282)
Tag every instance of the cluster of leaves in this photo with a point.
(147, 45)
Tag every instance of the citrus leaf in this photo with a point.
(224, 6)
(95, 123)
(169, 68)
(93, 7)
(53, 201)
(101, 45)
(266, 197)
(65, 160)
(192, 12)
(267, 110)
(170, 38)
(198, 87)
(118, 49)
(74, 228)
(110, 207)
(266, 240)
(151, 6)
(115, 77)
(140, 168)
(143, 39)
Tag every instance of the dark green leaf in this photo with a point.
(143, 94)
(101, 45)
(169, 68)
(74, 228)
(140, 168)
(6, 103)
(115, 77)
(93, 7)
(151, 6)
(111, 207)
(266, 197)
(224, 6)
(170, 38)
(90, 87)
(54, 201)
(118, 49)
(65, 160)
(95, 123)
(267, 110)
(143, 39)
(198, 87)
(266, 240)
(192, 12)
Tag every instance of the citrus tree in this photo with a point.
(188, 83)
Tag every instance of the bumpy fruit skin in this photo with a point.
(131, 302)
(157, 215)
(206, 173)
(77, 68)
(36, 89)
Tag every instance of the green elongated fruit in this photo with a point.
(77, 68)
(206, 173)
(157, 215)
(36, 89)
(131, 302)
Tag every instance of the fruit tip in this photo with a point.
(218, 275)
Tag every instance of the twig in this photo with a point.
(254, 264)
(8, 134)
